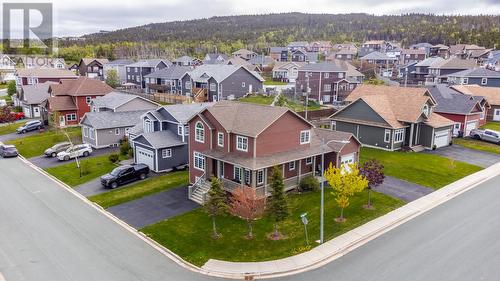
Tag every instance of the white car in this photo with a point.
(81, 150)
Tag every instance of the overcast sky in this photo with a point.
(78, 17)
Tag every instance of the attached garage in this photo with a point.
(145, 156)
(471, 125)
(442, 138)
(345, 160)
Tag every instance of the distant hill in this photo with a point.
(279, 29)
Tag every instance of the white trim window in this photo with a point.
(305, 136)
(148, 126)
(92, 133)
(88, 99)
(187, 85)
(237, 173)
(260, 177)
(242, 143)
(71, 117)
(186, 130)
(213, 87)
(166, 153)
(220, 139)
(484, 81)
(199, 161)
(465, 81)
(309, 160)
(291, 166)
(327, 88)
(86, 132)
(179, 130)
(243, 84)
(32, 80)
(326, 75)
(199, 131)
(387, 135)
(117, 131)
(248, 176)
(399, 135)
(341, 74)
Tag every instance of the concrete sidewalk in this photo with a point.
(351, 240)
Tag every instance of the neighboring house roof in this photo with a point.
(150, 63)
(36, 94)
(243, 52)
(184, 112)
(87, 61)
(246, 118)
(322, 67)
(451, 101)
(218, 71)
(116, 99)
(351, 69)
(492, 94)
(120, 62)
(60, 103)
(413, 52)
(259, 59)
(480, 53)
(45, 73)
(82, 86)
(110, 119)
(457, 49)
(312, 56)
(184, 59)
(285, 66)
(238, 62)
(172, 73)
(430, 61)
(159, 139)
(441, 47)
(374, 42)
(298, 44)
(376, 55)
(344, 51)
(477, 73)
(211, 58)
(277, 49)
(136, 130)
(422, 45)
(454, 63)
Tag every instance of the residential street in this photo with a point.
(46, 233)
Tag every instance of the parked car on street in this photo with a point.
(7, 150)
(59, 147)
(80, 150)
(30, 126)
(125, 174)
(486, 135)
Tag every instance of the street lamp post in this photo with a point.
(322, 185)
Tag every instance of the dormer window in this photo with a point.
(148, 126)
(426, 110)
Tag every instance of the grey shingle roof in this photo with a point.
(451, 101)
(114, 99)
(322, 67)
(278, 49)
(183, 112)
(36, 94)
(430, 61)
(218, 71)
(109, 119)
(120, 62)
(184, 59)
(377, 56)
(477, 72)
(454, 63)
(160, 139)
(150, 63)
(174, 72)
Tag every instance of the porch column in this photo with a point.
(300, 170)
(218, 169)
(411, 134)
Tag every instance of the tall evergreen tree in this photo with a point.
(277, 207)
(216, 204)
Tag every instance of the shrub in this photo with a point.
(130, 152)
(124, 147)
(309, 183)
(113, 158)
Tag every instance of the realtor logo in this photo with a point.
(27, 25)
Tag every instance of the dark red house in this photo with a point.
(240, 143)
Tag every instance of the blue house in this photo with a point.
(475, 76)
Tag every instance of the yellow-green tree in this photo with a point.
(345, 181)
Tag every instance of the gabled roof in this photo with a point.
(110, 119)
(172, 73)
(413, 52)
(323, 67)
(183, 112)
(376, 55)
(45, 73)
(184, 59)
(374, 42)
(60, 103)
(87, 61)
(286, 65)
(211, 58)
(430, 61)
(454, 63)
(421, 45)
(218, 71)
(479, 53)
(150, 63)
(492, 94)
(82, 86)
(277, 49)
(259, 59)
(243, 52)
(120, 62)
(115, 99)
(441, 47)
(344, 51)
(36, 94)
(246, 118)
(159, 139)
(237, 61)
(451, 101)
(477, 72)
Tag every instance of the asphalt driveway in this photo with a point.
(467, 155)
(401, 189)
(46, 162)
(95, 187)
(154, 208)
(15, 136)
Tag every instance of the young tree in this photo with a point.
(11, 88)
(345, 183)
(247, 205)
(216, 204)
(373, 171)
(112, 78)
(277, 207)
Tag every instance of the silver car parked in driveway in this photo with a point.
(54, 150)
(80, 150)
(486, 135)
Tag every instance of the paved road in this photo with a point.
(453, 242)
(401, 189)
(154, 208)
(13, 136)
(46, 233)
(471, 156)
(46, 162)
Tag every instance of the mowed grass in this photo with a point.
(478, 145)
(36, 144)
(9, 128)
(274, 83)
(258, 99)
(189, 235)
(138, 190)
(425, 169)
(92, 167)
(492, 125)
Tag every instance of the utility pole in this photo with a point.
(307, 93)
(406, 76)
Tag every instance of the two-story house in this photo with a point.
(491, 94)
(279, 53)
(92, 68)
(378, 59)
(162, 142)
(137, 71)
(166, 80)
(244, 54)
(440, 50)
(423, 46)
(31, 97)
(33, 76)
(422, 69)
(412, 55)
(187, 61)
(343, 54)
(475, 76)
(439, 72)
(372, 46)
(215, 58)
(286, 71)
(216, 82)
(322, 47)
(70, 99)
(240, 144)
(298, 45)
(392, 118)
(301, 55)
(119, 66)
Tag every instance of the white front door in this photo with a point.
(496, 114)
(62, 121)
(442, 138)
(144, 156)
(456, 129)
(36, 111)
(471, 125)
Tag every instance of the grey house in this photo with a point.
(475, 76)
(137, 71)
(118, 101)
(107, 128)
(167, 80)
(119, 66)
(439, 71)
(32, 96)
(392, 118)
(162, 143)
(219, 82)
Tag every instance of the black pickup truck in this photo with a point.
(125, 174)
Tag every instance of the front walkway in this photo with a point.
(154, 208)
(401, 189)
(467, 155)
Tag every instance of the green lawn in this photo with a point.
(425, 169)
(274, 83)
(259, 99)
(189, 235)
(37, 143)
(92, 168)
(9, 128)
(478, 145)
(492, 126)
(299, 106)
(141, 189)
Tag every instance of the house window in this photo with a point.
(484, 81)
(186, 130)
(465, 81)
(85, 131)
(399, 135)
(166, 153)
(309, 160)
(305, 137)
(128, 70)
(71, 117)
(117, 131)
(179, 130)
(148, 126)
(341, 74)
(136, 69)
(91, 133)
(220, 139)
(260, 177)
(221, 169)
(327, 88)
(291, 166)
(188, 85)
(333, 125)
(243, 84)
(32, 80)
(327, 75)
(387, 136)
(247, 176)
(199, 161)
(237, 173)
(199, 135)
(87, 99)
(128, 77)
(212, 87)
(241, 143)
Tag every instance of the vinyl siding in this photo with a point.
(359, 110)
(179, 157)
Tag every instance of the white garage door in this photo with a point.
(471, 125)
(442, 138)
(144, 156)
(347, 159)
